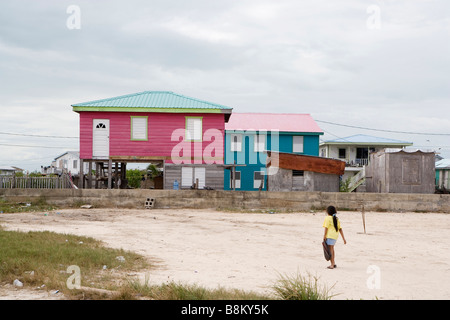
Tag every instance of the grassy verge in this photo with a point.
(42, 258)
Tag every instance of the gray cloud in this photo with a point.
(315, 57)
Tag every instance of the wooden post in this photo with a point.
(116, 175)
(89, 186)
(97, 174)
(109, 173)
(81, 176)
(364, 218)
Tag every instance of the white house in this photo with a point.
(355, 151)
(9, 171)
(67, 162)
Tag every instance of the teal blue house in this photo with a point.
(248, 137)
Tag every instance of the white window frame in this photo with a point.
(236, 145)
(297, 144)
(259, 142)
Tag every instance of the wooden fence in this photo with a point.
(62, 182)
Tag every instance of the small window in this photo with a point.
(297, 144)
(193, 129)
(236, 142)
(139, 128)
(237, 179)
(258, 179)
(260, 143)
(75, 164)
(298, 173)
(342, 153)
(101, 126)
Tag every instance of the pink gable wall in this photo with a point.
(161, 126)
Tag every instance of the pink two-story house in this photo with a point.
(185, 134)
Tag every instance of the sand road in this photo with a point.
(402, 255)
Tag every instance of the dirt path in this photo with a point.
(402, 256)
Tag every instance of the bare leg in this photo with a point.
(332, 257)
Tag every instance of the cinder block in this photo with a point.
(149, 202)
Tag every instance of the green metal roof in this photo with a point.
(148, 99)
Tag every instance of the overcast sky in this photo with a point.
(374, 64)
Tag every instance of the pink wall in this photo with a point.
(161, 128)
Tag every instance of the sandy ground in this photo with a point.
(402, 255)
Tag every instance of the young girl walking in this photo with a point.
(332, 227)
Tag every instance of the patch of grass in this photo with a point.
(181, 291)
(299, 287)
(37, 258)
(242, 210)
(39, 204)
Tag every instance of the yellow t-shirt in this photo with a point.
(331, 232)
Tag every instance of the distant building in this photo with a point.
(9, 170)
(443, 174)
(401, 171)
(248, 137)
(355, 150)
(296, 172)
(68, 162)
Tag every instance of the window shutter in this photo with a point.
(186, 176)
(259, 143)
(258, 178)
(193, 129)
(199, 173)
(139, 128)
(237, 179)
(297, 144)
(236, 142)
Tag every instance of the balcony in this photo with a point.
(358, 162)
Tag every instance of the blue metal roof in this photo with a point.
(152, 99)
(365, 139)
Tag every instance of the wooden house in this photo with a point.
(394, 170)
(183, 133)
(250, 135)
(297, 172)
(443, 174)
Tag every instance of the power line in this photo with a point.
(36, 135)
(383, 130)
(29, 146)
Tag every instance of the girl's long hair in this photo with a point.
(332, 212)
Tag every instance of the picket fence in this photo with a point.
(12, 182)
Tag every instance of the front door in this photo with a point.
(100, 139)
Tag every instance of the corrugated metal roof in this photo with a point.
(152, 99)
(443, 164)
(365, 139)
(283, 122)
